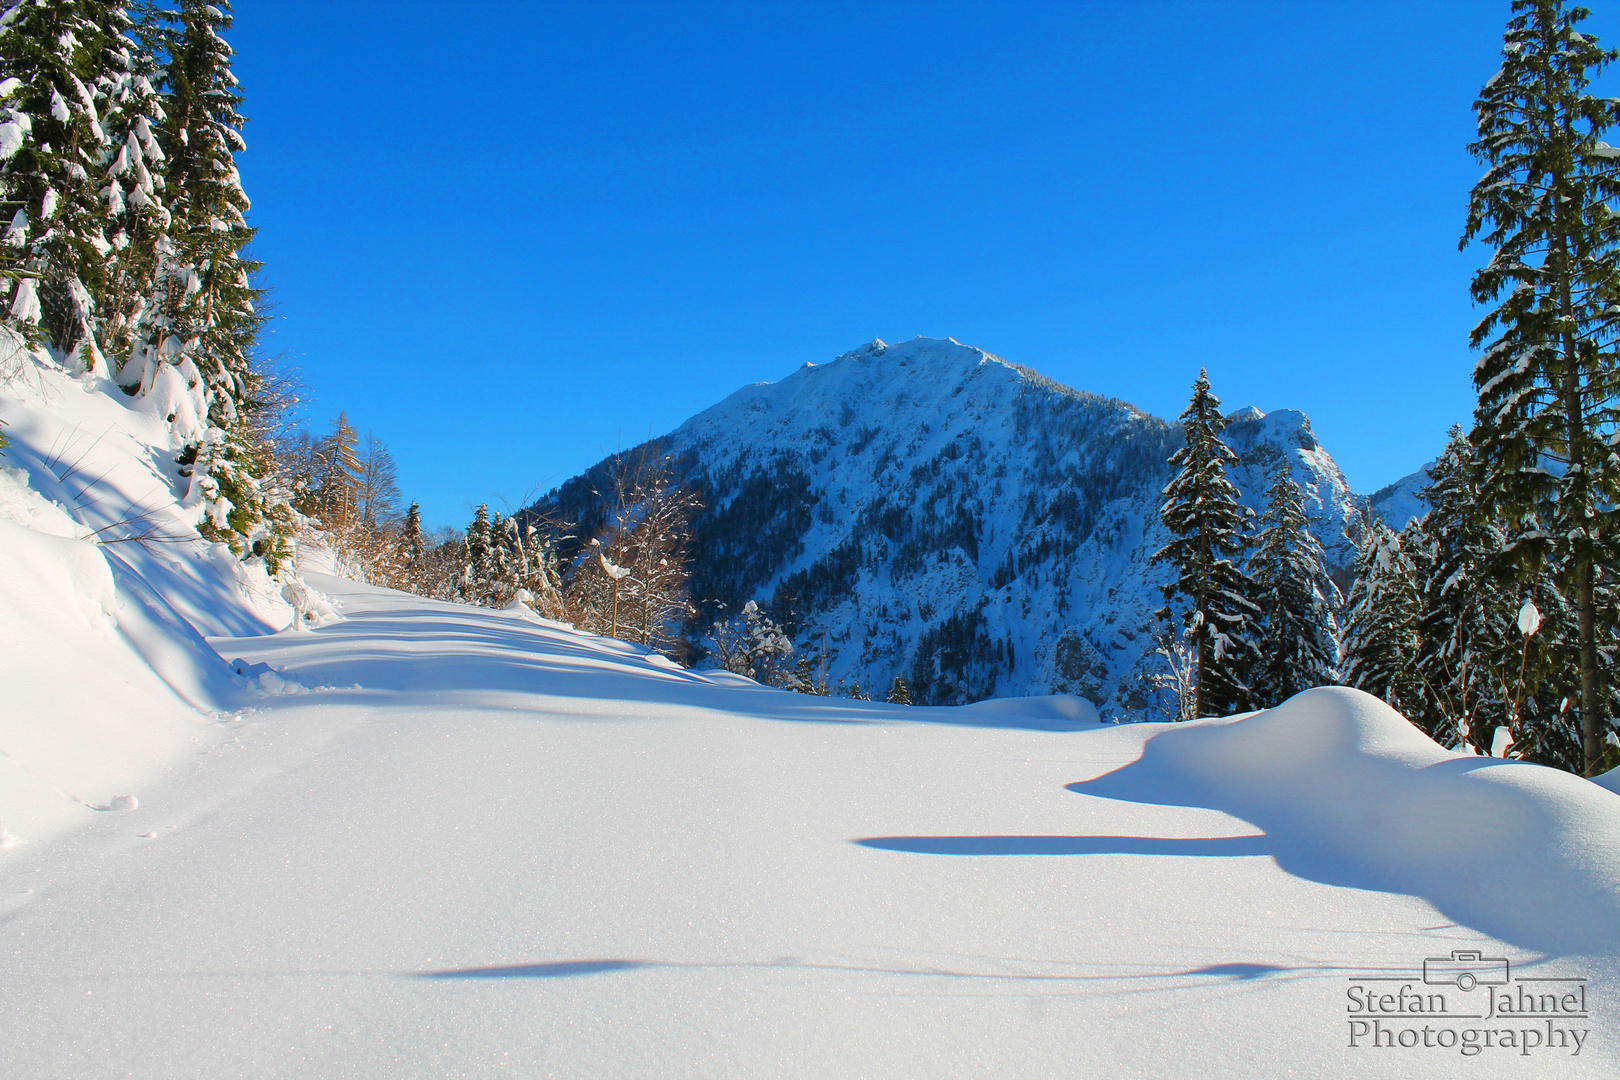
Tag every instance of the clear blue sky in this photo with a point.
(511, 238)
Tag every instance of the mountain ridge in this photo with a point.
(932, 510)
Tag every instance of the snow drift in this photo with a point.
(106, 594)
(1350, 793)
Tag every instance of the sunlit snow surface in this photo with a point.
(519, 850)
(429, 840)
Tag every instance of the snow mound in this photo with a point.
(1351, 793)
(265, 679)
(1056, 712)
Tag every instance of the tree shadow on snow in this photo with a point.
(1211, 846)
(477, 652)
(1134, 980)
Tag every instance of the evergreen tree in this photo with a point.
(136, 195)
(804, 681)
(899, 693)
(478, 573)
(1384, 611)
(1464, 610)
(1549, 399)
(1202, 512)
(1298, 640)
(410, 552)
(62, 65)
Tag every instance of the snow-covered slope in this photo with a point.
(106, 592)
(929, 509)
(517, 850)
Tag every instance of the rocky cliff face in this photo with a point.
(931, 510)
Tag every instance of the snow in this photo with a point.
(895, 446)
(411, 838)
(521, 850)
(105, 594)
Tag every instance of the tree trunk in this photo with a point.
(1576, 478)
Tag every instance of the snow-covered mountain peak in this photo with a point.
(1288, 427)
(929, 509)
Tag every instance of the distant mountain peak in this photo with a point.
(929, 509)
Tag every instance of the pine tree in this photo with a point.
(1464, 610)
(1202, 512)
(1549, 398)
(1383, 615)
(1298, 640)
(899, 693)
(136, 193)
(410, 552)
(477, 583)
(61, 66)
(804, 680)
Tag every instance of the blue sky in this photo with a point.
(512, 238)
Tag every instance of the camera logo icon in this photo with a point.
(1465, 969)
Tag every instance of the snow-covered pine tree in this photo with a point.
(1383, 613)
(899, 693)
(209, 304)
(135, 192)
(1548, 392)
(1299, 637)
(534, 564)
(477, 580)
(500, 588)
(61, 63)
(803, 680)
(1464, 608)
(408, 565)
(1202, 511)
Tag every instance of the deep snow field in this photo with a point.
(427, 840)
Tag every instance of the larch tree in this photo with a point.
(378, 491)
(337, 496)
(1211, 595)
(1546, 421)
(1299, 638)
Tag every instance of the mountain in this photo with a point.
(1400, 502)
(931, 510)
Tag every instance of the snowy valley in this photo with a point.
(364, 833)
